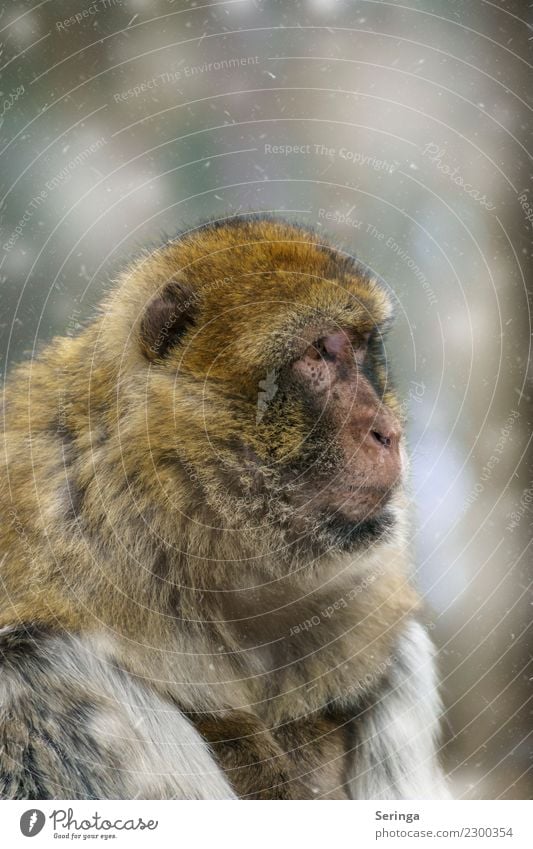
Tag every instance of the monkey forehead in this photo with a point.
(262, 287)
(279, 324)
(246, 330)
(266, 260)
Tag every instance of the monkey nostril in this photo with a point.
(386, 441)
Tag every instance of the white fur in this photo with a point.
(162, 754)
(152, 745)
(396, 755)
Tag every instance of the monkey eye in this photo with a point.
(319, 350)
(340, 344)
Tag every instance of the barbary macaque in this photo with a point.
(204, 562)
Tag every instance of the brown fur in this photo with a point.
(144, 500)
(254, 763)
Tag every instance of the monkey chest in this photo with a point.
(304, 759)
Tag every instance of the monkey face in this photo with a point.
(347, 465)
(273, 341)
(358, 429)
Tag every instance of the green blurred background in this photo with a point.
(398, 129)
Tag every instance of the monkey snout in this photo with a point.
(383, 454)
(378, 436)
(386, 441)
(379, 428)
(385, 433)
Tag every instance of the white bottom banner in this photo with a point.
(268, 825)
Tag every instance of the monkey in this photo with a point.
(204, 559)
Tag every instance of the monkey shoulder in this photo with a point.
(75, 724)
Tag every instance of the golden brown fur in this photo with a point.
(148, 506)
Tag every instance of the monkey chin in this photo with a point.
(348, 521)
(349, 534)
(359, 520)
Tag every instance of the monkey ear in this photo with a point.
(166, 318)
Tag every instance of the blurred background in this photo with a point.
(400, 130)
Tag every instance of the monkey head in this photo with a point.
(265, 391)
